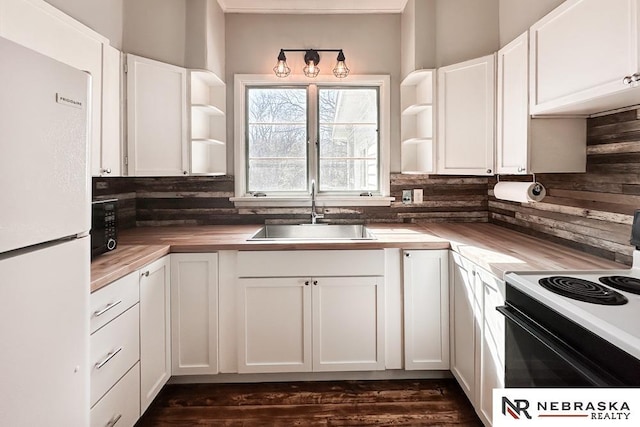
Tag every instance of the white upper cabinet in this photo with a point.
(41, 27)
(525, 145)
(513, 107)
(157, 118)
(581, 54)
(110, 147)
(417, 96)
(466, 93)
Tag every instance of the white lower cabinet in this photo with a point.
(492, 343)
(194, 314)
(477, 333)
(115, 353)
(464, 327)
(348, 323)
(121, 405)
(155, 330)
(426, 309)
(274, 325)
(329, 320)
(114, 350)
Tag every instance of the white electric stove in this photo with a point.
(574, 328)
(616, 314)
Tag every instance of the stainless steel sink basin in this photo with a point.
(313, 232)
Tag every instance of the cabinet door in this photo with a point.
(464, 325)
(274, 325)
(426, 310)
(110, 154)
(41, 27)
(513, 107)
(155, 330)
(348, 323)
(157, 118)
(567, 69)
(466, 93)
(194, 314)
(492, 343)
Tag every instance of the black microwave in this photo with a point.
(104, 232)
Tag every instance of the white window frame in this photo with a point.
(243, 199)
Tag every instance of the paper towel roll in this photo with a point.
(523, 192)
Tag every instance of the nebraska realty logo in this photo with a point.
(566, 407)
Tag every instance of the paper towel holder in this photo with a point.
(537, 187)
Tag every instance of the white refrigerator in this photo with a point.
(45, 193)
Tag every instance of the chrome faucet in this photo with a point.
(314, 214)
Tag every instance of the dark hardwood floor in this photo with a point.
(322, 403)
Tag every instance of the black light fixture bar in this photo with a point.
(311, 59)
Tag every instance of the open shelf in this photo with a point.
(417, 156)
(208, 109)
(208, 123)
(416, 108)
(208, 158)
(208, 141)
(417, 132)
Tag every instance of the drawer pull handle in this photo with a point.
(146, 273)
(113, 421)
(110, 356)
(107, 308)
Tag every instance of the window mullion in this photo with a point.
(313, 132)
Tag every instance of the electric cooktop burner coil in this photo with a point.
(582, 290)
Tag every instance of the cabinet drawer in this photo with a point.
(121, 405)
(311, 263)
(115, 348)
(109, 302)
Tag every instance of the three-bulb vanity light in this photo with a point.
(312, 59)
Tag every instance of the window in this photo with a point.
(332, 132)
(277, 140)
(348, 142)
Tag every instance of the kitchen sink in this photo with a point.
(313, 232)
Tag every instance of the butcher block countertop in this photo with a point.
(497, 249)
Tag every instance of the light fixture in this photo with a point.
(282, 69)
(341, 70)
(311, 59)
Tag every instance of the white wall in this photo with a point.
(102, 16)
(371, 45)
(466, 29)
(205, 36)
(418, 36)
(155, 29)
(216, 35)
(408, 39)
(516, 16)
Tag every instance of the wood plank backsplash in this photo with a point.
(593, 211)
(205, 200)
